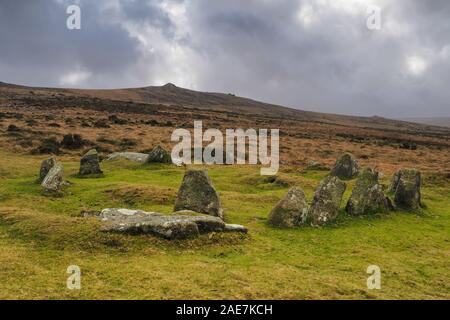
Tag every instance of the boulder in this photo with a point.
(291, 211)
(367, 195)
(53, 181)
(197, 193)
(132, 156)
(326, 202)
(90, 163)
(46, 165)
(406, 185)
(346, 167)
(159, 155)
(180, 225)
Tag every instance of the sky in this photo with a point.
(312, 55)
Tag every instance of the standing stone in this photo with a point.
(54, 179)
(407, 189)
(197, 193)
(90, 164)
(291, 211)
(326, 201)
(159, 155)
(367, 195)
(394, 183)
(346, 167)
(46, 165)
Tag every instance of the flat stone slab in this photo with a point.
(132, 156)
(176, 226)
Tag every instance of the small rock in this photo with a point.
(197, 193)
(316, 166)
(291, 211)
(406, 184)
(159, 155)
(46, 165)
(346, 167)
(90, 213)
(90, 163)
(235, 228)
(367, 195)
(326, 202)
(54, 179)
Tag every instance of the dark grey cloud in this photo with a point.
(315, 55)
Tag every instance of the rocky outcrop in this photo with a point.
(326, 202)
(346, 167)
(54, 179)
(90, 164)
(46, 165)
(291, 211)
(180, 225)
(197, 193)
(406, 186)
(132, 156)
(159, 155)
(367, 195)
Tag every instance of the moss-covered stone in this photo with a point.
(367, 195)
(53, 180)
(197, 193)
(291, 211)
(326, 202)
(46, 165)
(407, 189)
(346, 167)
(159, 155)
(90, 164)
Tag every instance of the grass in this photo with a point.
(41, 236)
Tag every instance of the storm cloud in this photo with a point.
(313, 55)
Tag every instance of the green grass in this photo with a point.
(41, 236)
